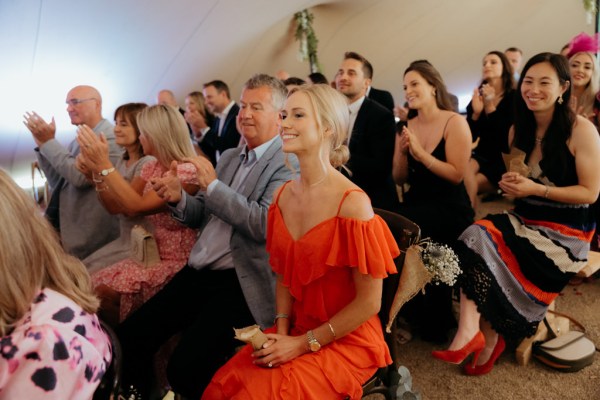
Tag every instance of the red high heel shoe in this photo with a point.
(483, 369)
(457, 356)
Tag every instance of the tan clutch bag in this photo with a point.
(143, 247)
(251, 334)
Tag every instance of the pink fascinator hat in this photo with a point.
(583, 42)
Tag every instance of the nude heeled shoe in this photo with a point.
(473, 370)
(475, 345)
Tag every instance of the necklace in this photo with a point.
(319, 181)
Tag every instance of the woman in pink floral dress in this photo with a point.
(164, 135)
(51, 343)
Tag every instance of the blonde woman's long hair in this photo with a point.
(31, 258)
(586, 100)
(168, 133)
(331, 112)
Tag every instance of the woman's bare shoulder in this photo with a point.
(356, 204)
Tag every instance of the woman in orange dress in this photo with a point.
(330, 253)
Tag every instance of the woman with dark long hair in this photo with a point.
(490, 116)
(515, 264)
(431, 155)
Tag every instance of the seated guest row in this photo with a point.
(245, 212)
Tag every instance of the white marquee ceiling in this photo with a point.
(130, 49)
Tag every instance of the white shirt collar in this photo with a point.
(354, 107)
(226, 110)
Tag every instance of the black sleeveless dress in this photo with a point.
(443, 211)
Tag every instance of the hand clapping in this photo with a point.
(93, 148)
(40, 129)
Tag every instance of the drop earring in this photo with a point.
(560, 99)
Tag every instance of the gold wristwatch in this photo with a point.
(105, 172)
(313, 343)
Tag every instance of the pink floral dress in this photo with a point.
(137, 283)
(56, 351)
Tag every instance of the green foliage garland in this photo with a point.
(305, 34)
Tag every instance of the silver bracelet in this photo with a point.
(431, 163)
(282, 315)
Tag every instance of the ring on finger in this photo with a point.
(270, 365)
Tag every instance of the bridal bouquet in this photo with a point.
(441, 261)
(425, 261)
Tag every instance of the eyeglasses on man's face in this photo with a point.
(74, 102)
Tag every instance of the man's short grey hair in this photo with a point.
(278, 89)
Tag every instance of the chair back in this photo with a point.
(405, 232)
(110, 384)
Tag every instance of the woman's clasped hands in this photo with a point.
(280, 349)
(514, 184)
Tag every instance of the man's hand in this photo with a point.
(168, 187)
(40, 129)
(204, 170)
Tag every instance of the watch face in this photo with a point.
(315, 346)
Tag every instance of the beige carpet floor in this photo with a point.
(508, 380)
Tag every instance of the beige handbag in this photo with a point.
(143, 247)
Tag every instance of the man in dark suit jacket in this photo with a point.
(223, 134)
(383, 97)
(372, 134)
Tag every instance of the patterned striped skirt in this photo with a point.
(515, 264)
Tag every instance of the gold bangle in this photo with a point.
(331, 329)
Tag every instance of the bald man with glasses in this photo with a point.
(74, 209)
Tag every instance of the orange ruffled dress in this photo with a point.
(317, 270)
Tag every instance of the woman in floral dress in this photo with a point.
(127, 284)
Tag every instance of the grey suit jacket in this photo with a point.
(85, 225)
(247, 214)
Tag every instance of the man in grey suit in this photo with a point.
(84, 224)
(228, 281)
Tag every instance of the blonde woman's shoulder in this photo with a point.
(356, 204)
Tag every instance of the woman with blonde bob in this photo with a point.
(46, 309)
(126, 285)
(330, 253)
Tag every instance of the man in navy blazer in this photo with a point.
(223, 134)
(372, 134)
(383, 97)
(228, 281)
